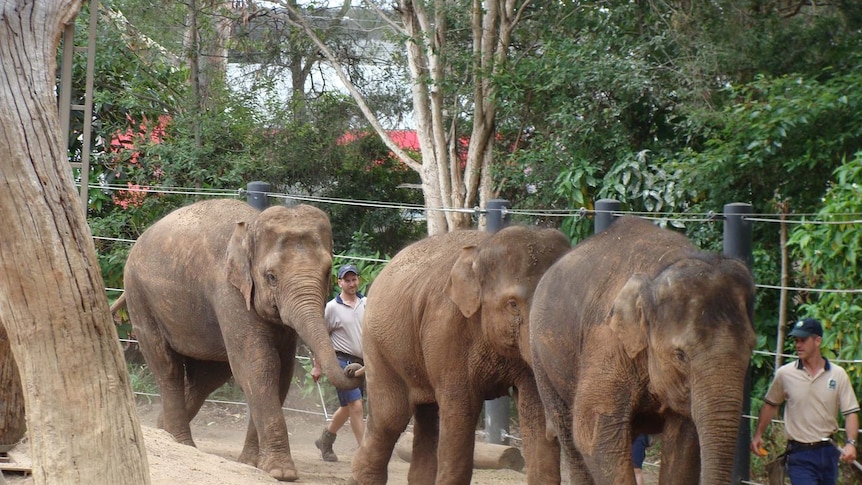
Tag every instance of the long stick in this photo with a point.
(322, 402)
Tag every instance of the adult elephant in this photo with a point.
(219, 288)
(637, 331)
(445, 329)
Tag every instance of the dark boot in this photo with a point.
(324, 444)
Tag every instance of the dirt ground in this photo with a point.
(219, 430)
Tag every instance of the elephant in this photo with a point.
(219, 289)
(446, 329)
(638, 331)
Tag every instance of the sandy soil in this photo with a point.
(219, 431)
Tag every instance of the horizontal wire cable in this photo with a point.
(710, 216)
(582, 212)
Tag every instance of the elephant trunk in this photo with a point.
(716, 413)
(308, 321)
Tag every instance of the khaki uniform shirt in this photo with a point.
(812, 403)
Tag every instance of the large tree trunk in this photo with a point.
(81, 419)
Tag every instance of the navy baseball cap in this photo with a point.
(806, 327)
(347, 268)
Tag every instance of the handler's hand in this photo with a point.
(848, 453)
(756, 445)
(315, 373)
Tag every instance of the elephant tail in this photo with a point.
(120, 303)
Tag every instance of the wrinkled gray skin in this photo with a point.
(636, 331)
(445, 329)
(219, 288)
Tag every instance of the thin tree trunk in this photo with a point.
(194, 59)
(785, 282)
(81, 419)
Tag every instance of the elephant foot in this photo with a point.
(183, 439)
(281, 468)
(248, 458)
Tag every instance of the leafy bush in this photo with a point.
(825, 256)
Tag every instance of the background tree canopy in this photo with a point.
(672, 107)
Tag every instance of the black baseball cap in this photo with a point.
(806, 327)
(347, 268)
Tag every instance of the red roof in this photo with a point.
(405, 139)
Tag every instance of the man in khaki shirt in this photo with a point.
(814, 391)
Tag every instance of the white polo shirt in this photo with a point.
(344, 324)
(812, 402)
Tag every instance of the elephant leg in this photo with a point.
(257, 368)
(251, 448)
(578, 471)
(541, 452)
(609, 457)
(458, 417)
(680, 452)
(389, 412)
(426, 435)
(559, 418)
(168, 368)
(602, 425)
(202, 378)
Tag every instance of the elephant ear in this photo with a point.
(463, 285)
(627, 318)
(239, 262)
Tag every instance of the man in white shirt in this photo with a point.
(343, 316)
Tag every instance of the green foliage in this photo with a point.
(591, 102)
(628, 101)
(142, 380)
(780, 136)
(825, 256)
(364, 258)
(144, 383)
(307, 386)
(158, 136)
(369, 172)
(230, 391)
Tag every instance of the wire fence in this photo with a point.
(582, 212)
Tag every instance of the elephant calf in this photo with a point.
(219, 288)
(636, 331)
(445, 329)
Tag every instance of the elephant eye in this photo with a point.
(271, 279)
(680, 355)
(512, 306)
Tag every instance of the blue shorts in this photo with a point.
(350, 395)
(817, 466)
(639, 446)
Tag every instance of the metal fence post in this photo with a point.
(256, 194)
(605, 209)
(738, 244)
(497, 410)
